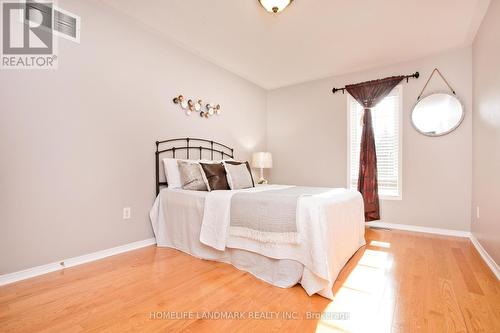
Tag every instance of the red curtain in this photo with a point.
(369, 94)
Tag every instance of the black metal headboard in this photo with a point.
(188, 145)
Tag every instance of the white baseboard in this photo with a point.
(416, 228)
(486, 257)
(55, 266)
(52, 267)
(447, 232)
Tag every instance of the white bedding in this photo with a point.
(331, 227)
(176, 218)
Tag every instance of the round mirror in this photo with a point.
(437, 114)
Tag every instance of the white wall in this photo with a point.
(307, 134)
(486, 132)
(77, 143)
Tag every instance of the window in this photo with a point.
(387, 129)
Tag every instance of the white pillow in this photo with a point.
(172, 174)
(238, 176)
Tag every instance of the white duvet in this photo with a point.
(331, 227)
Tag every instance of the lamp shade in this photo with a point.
(275, 6)
(262, 160)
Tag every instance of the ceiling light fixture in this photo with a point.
(275, 6)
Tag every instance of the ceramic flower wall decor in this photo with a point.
(189, 106)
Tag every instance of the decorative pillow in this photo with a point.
(171, 168)
(248, 168)
(215, 175)
(238, 176)
(192, 176)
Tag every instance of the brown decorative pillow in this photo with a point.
(215, 174)
(248, 167)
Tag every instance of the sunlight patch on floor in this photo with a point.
(380, 244)
(366, 298)
(375, 259)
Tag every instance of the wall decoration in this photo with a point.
(189, 106)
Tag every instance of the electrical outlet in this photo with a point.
(477, 212)
(126, 213)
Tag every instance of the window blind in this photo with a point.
(386, 127)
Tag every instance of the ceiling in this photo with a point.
(311, 39)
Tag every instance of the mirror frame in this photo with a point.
(451, 129)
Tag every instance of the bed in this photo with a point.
(329, 224)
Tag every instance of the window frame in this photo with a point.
(400, 146)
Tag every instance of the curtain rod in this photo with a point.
(415, 75)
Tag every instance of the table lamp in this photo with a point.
(262, 160)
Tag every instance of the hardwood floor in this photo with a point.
(399, 282)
